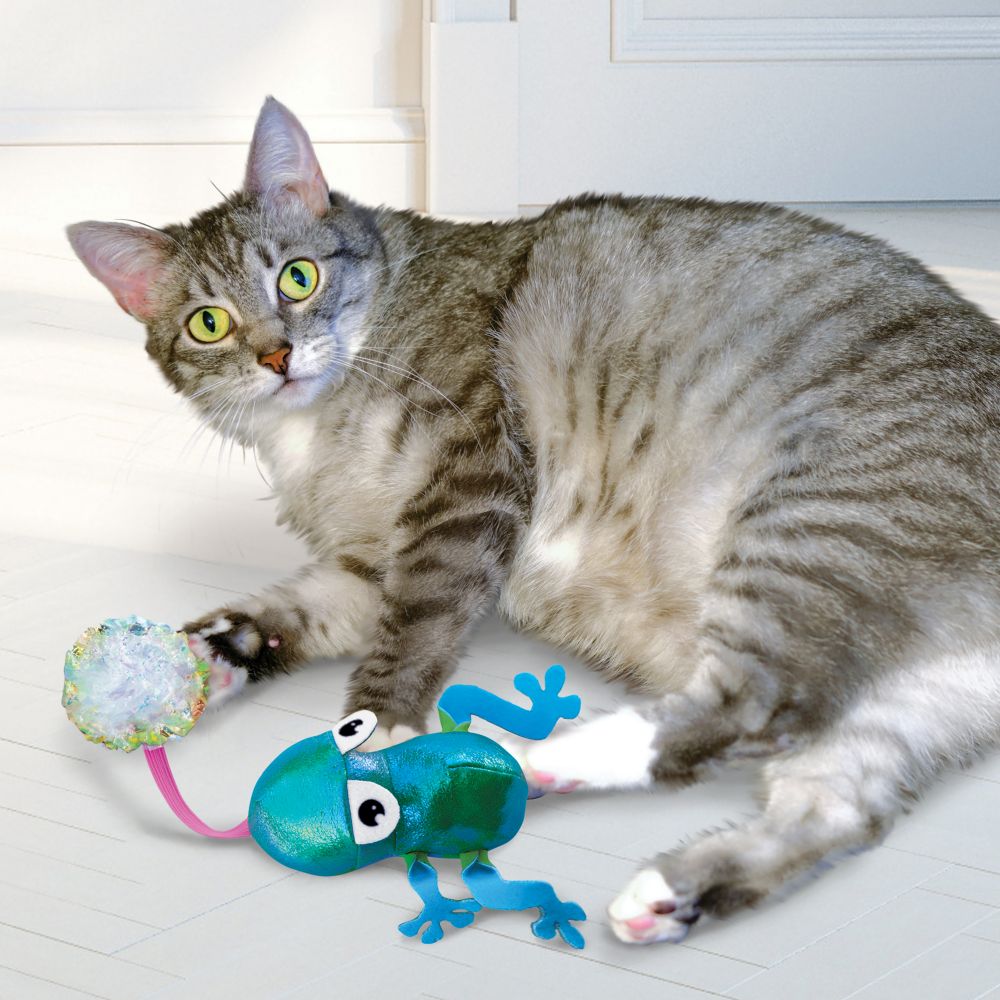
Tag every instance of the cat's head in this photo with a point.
(261, 300)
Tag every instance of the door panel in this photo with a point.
(780, 100)
(776, 108)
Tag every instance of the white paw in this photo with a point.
(225, 681)
(612, 751)
(383, 738)
(648, 910)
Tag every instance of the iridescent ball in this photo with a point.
(131, 682)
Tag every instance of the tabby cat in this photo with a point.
(739, 456)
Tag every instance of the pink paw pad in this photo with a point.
(642, 923)
(568, 786)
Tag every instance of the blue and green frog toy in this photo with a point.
(326, 807)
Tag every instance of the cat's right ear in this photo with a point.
(129, 261)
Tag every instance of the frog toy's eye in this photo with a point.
(298, 280)
(374, 811)
(354, 729)
(210, 325)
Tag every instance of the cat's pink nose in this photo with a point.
(277, 360)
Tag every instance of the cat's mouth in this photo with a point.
(298, 390)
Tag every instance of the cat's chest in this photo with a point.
(341, 479)
(289, 453)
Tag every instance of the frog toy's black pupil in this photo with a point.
(299, 278)
(209, 320)
(350, 728)
(369, 812)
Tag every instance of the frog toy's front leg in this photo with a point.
(462, 701)
(492, 890)
(437, 908)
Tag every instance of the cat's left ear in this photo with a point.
(128, 260)
(282, 161)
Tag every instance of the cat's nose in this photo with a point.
(277, 360)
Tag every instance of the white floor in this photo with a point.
(103, 893)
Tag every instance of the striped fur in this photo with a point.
(737, 455)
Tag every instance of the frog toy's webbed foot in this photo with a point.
(492, 890)
(462, 701)
(437, 908)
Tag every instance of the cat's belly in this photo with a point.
(594, 582)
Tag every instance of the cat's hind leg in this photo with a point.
(840, 793)
(719, 714)
(327, 609)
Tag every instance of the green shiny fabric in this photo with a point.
(456, 791)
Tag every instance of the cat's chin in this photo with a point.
(299, 392)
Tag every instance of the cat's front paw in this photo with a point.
(225, 680)
(649, 910)
(237, 644)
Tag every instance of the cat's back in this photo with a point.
(700, 310)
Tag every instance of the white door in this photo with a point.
(784, 100)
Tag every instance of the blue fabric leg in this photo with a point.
(460, 702)
(490, 889)
(437, 908)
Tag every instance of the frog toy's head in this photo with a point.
(322, 809)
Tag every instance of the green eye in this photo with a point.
(298, 280)
(209, 325)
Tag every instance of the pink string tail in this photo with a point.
(159, 766)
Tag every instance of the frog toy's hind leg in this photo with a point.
(490, 889)
(437, 908)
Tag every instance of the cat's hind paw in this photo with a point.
(649, 910)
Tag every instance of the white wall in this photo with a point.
(113, 108)
(211, 55)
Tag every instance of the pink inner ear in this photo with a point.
(127, 260)
(132, 294)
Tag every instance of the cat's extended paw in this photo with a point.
(238, 640)
(540, 780)
(649, 910)
(611, 751)
(225, 681)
